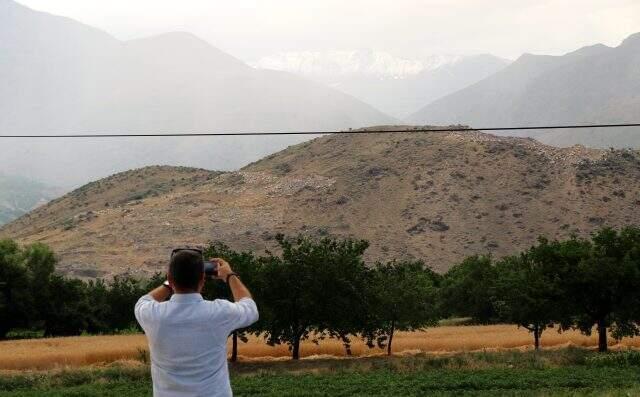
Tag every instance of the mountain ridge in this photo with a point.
(435, 196)
(592, 85)
(66, 77)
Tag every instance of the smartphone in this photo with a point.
(210, 269)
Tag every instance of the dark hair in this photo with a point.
(186, 268)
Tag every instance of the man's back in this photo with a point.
(187, 338)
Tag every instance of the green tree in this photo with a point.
(122, 295)
(99, 311)
(401, 297)
(467, 290)
(314, 288)
(40, 263)
(528, 291)
(16, 301)
(68, 307)
(606, 285)
(61, 305)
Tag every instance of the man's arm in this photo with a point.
(161, 293)
(145, 306)
(244, 311)
(238, 289)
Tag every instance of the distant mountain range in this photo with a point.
(394, 85)
(60, 76)
(370, 63)
(596, 84)
(20, 195)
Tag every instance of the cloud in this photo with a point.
(252, 28)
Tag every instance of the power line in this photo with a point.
(358, 131)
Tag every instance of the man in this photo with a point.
(187, 335)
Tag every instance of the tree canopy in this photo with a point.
(312, 289)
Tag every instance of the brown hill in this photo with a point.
(437, 196)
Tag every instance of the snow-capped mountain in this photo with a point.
(397, 86)
(325, 64)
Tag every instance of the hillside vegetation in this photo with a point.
(433, 196)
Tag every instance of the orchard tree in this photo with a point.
(401, 297)
(606, 285)
(312, 290)
(467, 289)
(529, 289)
(521, 296)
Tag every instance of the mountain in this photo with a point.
(596, 84)
(20, 195)
(436, 196)
(395, 85)
(332, 64)
(60, 76)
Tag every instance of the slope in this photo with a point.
(433, 196)
(595, 84)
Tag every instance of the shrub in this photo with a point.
(626, 358)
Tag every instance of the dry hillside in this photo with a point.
(436, 196)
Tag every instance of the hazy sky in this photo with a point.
(249, 29)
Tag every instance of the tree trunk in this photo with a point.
(296, 348)
(536, 336)
(602, 336)
(234, 347)
(391, 331)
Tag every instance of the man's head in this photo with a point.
(186, 271)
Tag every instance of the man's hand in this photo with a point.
(238, 290)
(224, 269)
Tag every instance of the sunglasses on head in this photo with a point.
(196, 250)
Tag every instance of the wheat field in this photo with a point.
(50, 353)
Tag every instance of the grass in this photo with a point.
(42, 354)
(565, 372)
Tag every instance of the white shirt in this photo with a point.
(187, 338)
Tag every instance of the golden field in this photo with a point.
(40, 354)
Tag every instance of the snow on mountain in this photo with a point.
(397, 86)
(368, 63)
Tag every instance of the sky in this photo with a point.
(250, 29)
